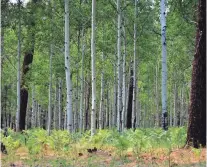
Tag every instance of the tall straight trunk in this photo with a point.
(39, 115)
(107, 109)
(60, 104)
(157, 97)
(93, 69)
(130, 99)
(50, 92)
(67, 69)
(65, 120)
(87, 103)
(119, 99)
(76, 105)
(110, 108)
(124, 79)
(102, 95)
(140, 114)
(56, 107)
(135, 67)
(82, 82)
(175, 106)
(182, 106)
(164, 64)
(196, 134)
(1, 48)
(171, 113)
(114, 112)
(18, 70)
(33, 108)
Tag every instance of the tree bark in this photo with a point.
(135, 67)
(18, 70)
(164, 64)
(119, 99)
(67, 69)
(196, 134)
(130, 99)
(60, 105)
(82, 81)
(93, 70)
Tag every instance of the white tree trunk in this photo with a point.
(50, 93)
(82, 82)
(93, 60)
(18, 70)
(164, 64)
(135, 68)
(67, 69)
(119, 102)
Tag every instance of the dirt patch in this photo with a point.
(157, 157)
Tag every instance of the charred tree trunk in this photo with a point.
(28, 58)
(130, 99)
(23, 108)
(196, 134)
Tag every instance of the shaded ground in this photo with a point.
(102, 158)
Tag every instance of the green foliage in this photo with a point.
(61, 141)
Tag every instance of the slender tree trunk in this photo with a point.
(130, 99)
(164, 64)
(175, 106)
(50, 93)
(56, 106)
(124, 80)
(93, 69)
(1, 52)
(135, 68)
(82, 82)
(171, 113)
(18, 70)
(157, 97)
(60, 104)
(196, 134)
(119, 99)
(102, 95)
(114, 114)
(67, 69)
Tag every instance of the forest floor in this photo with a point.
(104, 158)
(144, 147)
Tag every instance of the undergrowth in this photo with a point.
(137, 141)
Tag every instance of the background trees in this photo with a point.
(36, 34)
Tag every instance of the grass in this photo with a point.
(142, 147)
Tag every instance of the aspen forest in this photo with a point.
(103, 83)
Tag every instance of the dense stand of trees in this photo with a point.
(102, 64)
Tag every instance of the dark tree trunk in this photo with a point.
(23, 108)
(196, 134)
(130, 99)
(24, 92)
